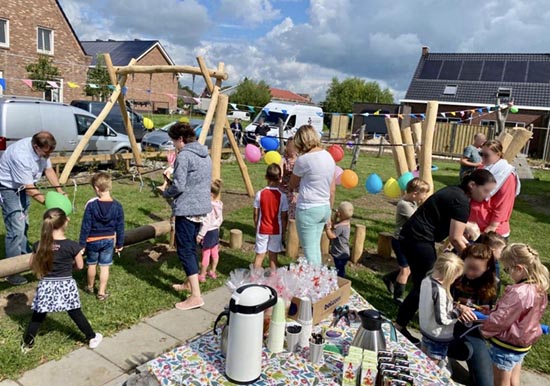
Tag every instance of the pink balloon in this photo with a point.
(416, 173)
(338, 175)
(252, 153)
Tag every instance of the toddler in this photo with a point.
(209, 234)
(339, 236)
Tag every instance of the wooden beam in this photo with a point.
(126, 70)
(91, 131)
(205, 74)
(240, 161)
(506, 140)
(520, 138)
(406, 134)
(428, 128)
(136, 150)
(217, 137)
(358, 243)
(209, 115)
(401, 167)
(221, 70)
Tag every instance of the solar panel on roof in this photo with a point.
(471, 70)
(430, 70)
(539, 72)
(515, 71)
(450, 69)
(492, 71)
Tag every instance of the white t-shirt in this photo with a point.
(316, 171)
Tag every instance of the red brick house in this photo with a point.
(162, 96)
(278, 94)
(32, 28)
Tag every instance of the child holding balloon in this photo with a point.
(415, 194)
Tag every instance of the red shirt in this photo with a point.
(271, 202)
(497, 209)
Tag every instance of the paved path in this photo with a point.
(119, 358)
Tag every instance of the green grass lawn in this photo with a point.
(141, 278)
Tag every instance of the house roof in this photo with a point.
(285, 95)
(123, 51)
(478, 77)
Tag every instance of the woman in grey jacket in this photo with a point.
(190, 191)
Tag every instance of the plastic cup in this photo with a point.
(293, 334)
(316, 352)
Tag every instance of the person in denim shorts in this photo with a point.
(102, 232)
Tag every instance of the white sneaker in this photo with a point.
(96, 341)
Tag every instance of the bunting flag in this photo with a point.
(266, 109)
(284, 112)
(365, 114)
(423, 116)
(234, 106)
(111, 87)
(172, 96)
(124, 90)
(377, 112)
(72, 85)
(197, 100)
(28, 82)
(444, 115)
(453, 113)
(93, 85)
(413, 116)
(400, 116)
(148, 91)
(350, 115)
(387, 115)
(3, 83)
(52, 83)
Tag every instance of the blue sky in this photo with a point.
(301, 45)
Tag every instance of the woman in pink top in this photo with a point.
(493, 214)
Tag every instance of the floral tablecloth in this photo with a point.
(200, 362)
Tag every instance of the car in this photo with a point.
(158, 140)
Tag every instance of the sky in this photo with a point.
(300, 45)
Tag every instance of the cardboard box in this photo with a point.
(325, 306)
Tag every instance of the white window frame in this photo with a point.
(6, 44)
(450, 89)
(51, 52)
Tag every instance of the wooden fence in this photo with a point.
(451, 139)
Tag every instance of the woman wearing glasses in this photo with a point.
(493, 214)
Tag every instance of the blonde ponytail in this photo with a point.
(523, 254)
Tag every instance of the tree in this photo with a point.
(342, 95)
(98, 76)
(41, 72)
(251, 93)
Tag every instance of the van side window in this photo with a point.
(83, 122)
(291, 122)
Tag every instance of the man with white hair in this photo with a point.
(471, 159)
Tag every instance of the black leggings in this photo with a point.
(76, 315)
(421, 257)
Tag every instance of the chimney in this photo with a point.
(425, 50)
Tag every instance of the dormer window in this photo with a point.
(450, 89)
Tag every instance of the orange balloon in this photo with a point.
(349, 179)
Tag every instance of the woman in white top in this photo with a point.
(314, 174)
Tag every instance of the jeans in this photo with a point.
(421, 256)
(186, 242)
(100, 251)
(309, 224)
(15, 208)
(480, 364)
(340, 264)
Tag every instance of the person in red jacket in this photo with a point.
(493, 214)
(514, 325)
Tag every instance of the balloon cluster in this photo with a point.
(392, 188)
(298, 280)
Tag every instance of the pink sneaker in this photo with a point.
(202, 278)
(212, 275)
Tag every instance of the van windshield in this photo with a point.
(272, 118)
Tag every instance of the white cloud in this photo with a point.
(250, 12)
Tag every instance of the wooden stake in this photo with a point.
(209, 115)
(325, 243)
(406, 134)
(205, 74)
(392, 124)
(416, 129)
(358, 243)
(235, 239)
(292, 241)
(384, 244)
(240, 161)
(126, 70)
(428, 128)
(519, 140)
(91, 131)
(221, 70)
(217, 137)
(136, 150)
(506, 140)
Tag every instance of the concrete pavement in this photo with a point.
(121, 358)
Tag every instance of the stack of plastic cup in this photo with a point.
(305, 318)
(276, 339)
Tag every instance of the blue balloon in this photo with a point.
(404, 180)
(374, 183)
(269, 143)
(435, 168)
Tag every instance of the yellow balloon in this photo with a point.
(392, 189)
(148, 123)
(272, 157)
(184, 120)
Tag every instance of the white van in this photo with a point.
(291, 115)
(23, 117)
(238, 114)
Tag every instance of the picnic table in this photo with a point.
(200, 362)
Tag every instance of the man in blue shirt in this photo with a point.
(471, 159)
(21, 166)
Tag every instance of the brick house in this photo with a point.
(464, 81)
(278, 94)
(32, 28)
(163, 88)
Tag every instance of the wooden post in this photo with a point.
(416, 129)
(506, 140)
(292, 240)
(217, 137)
(221, 70)
(406, 134)
(160, 69)
(91, 130)
(392, 124)
(136, 150)
(428, 128)
(240, 161)
(205, 73)
(381, 147)
(356, 149)
(325, 243)
(358, 243)
(209, 115)
(235, 239)
(384, 244)
(520, 139)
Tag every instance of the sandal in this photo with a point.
(103, 297)
(89, 290)
(213, 275)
